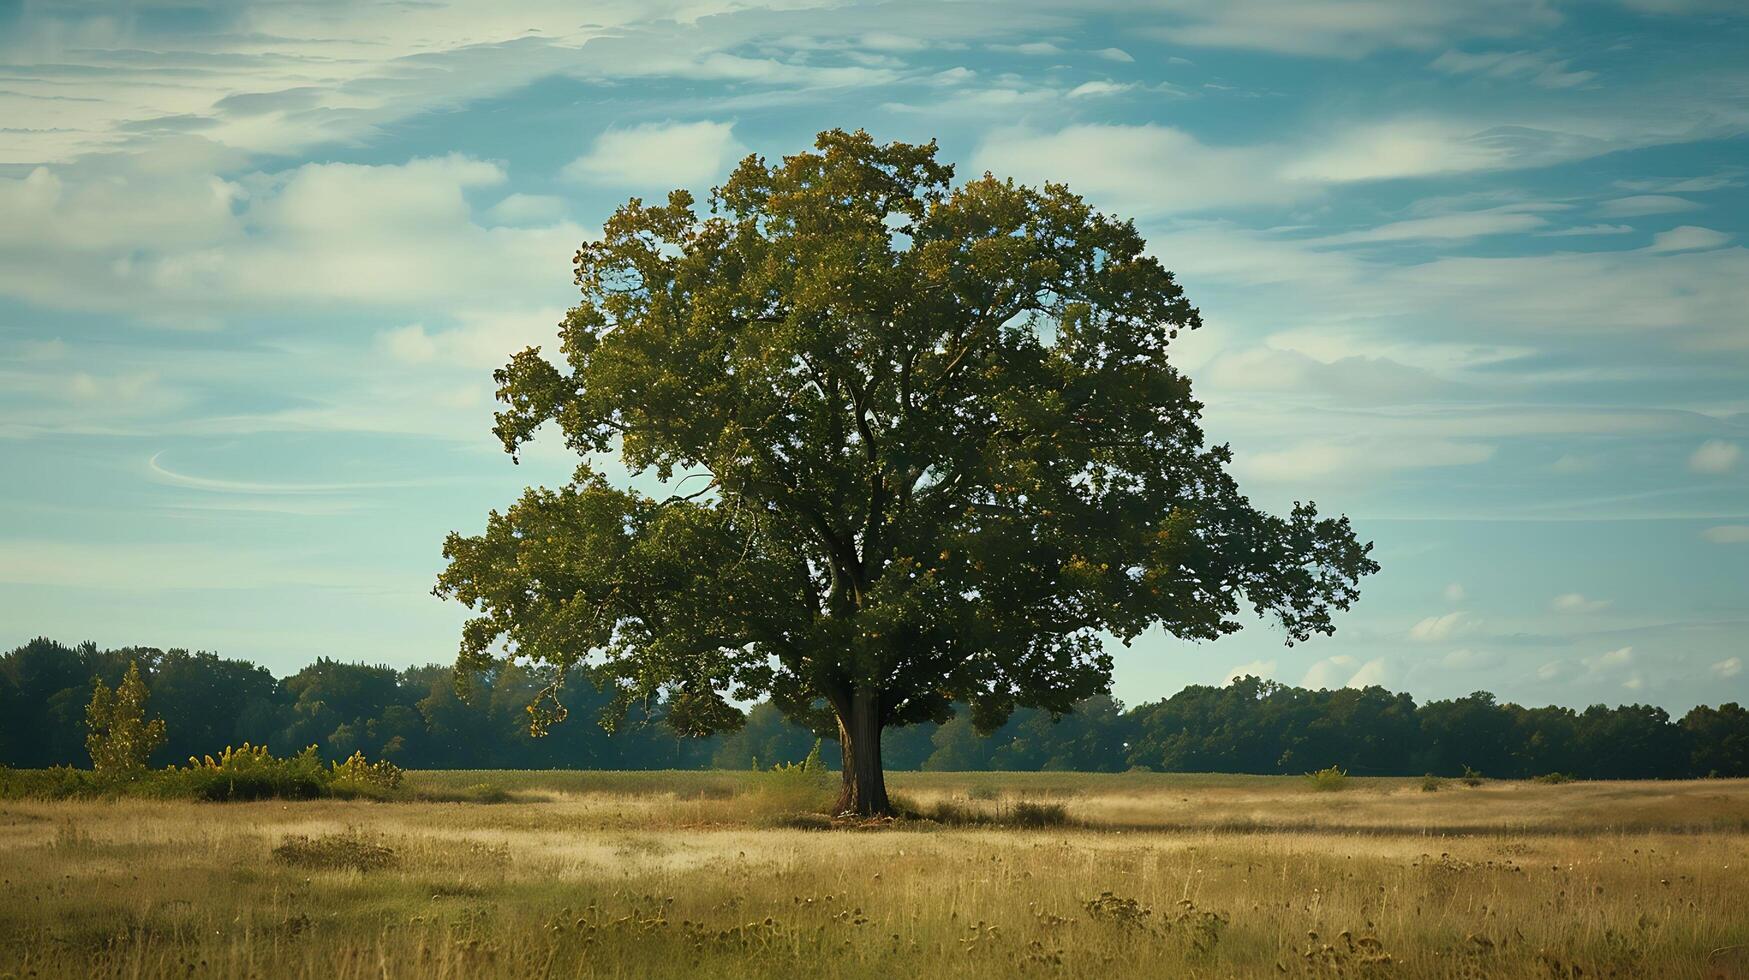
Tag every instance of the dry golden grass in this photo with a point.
(638, 875)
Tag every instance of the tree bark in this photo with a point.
(859, 735)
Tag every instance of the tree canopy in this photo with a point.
(1249, 726)
(942, 455)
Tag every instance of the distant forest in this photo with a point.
(419, 719)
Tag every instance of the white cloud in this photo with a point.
(1455, 226)
(1715, 456)
(1727, 534)
(1376, 672)
(1355, 461)
(1435, 628)
(1680, 185)
(1256, 668)
(409, 344)
(1114, 54)
(1454, 592)
(1467, 659)
(1578, 230)
(659, 156)
(1343, 670)
(1147, 169)
(1687, 238)
(1096, 89)
(1620, 657)
(312, 236)
(1538, 67)
(528, 210)
(1331, 672)
(1729, 667)
(1352, 378)
(1574, 602)
(1644, 204)
(1346, 30)
(1399, 148)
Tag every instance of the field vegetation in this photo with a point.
(635, 874)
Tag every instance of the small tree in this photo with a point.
(121, 739)
(942, 456)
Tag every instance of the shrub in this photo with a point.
(1553, 778)
(1431, 783)
(1328, 780)
(57, 783)
(334, 852)
(791, 787)
(1120, 911)
(359, 774)
(487, 793)
(1471, 777)
(1025, 813)
(247, 772)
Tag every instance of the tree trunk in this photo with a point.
(859, 735)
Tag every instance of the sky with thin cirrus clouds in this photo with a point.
(1473, 273)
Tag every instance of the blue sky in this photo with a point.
(1473, 272)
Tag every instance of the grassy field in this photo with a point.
(713, 874)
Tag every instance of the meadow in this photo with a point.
(604, 874)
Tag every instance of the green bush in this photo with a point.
(1025, 813)
(350, 851)
(1471, 777)
(58, 783)
(1431, 783)
(248, 772)
(1553, 778)
(793, 787)
(1328, 780)
(358, 776)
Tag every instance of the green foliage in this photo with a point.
(421, 722)
(942, 453)
(792, 787)
(249, 772)
(1328, 780)
(1471, 777)
(360, 774)
(54, 783)
(1026, 813)
(350, 851)
(1431, 783)
(121, 740)
(1553, 778)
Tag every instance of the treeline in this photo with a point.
(418, 719)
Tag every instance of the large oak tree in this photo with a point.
(931, 447)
